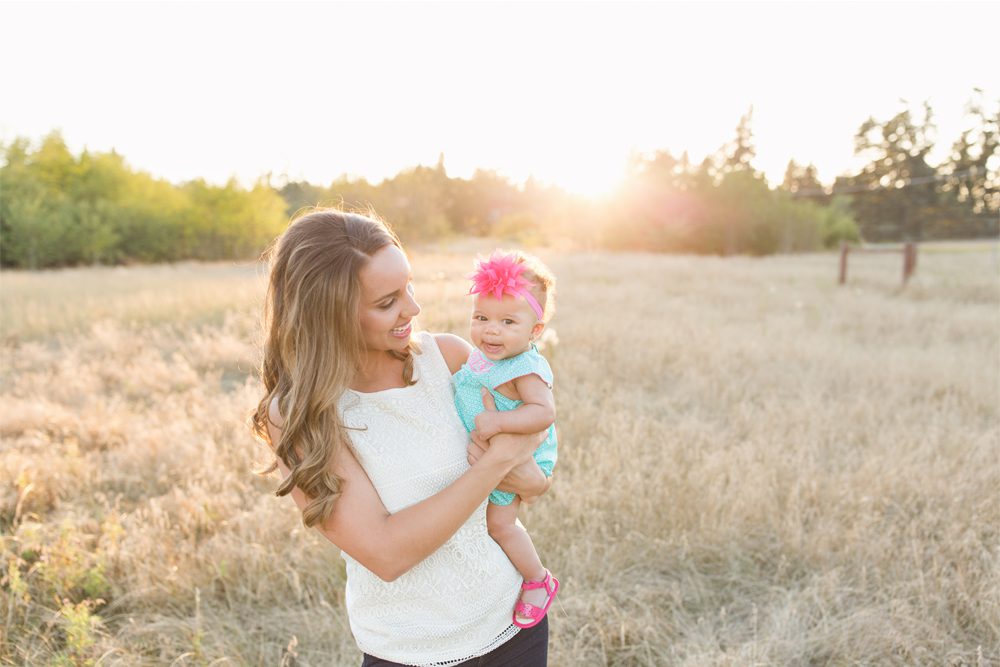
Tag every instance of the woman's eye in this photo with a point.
(387, 305)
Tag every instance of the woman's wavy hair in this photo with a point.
(313, 345)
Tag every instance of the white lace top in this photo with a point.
(456, 604)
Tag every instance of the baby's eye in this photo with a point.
(479, 318)
(508, 321)
(410, 288)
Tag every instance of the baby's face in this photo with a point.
(503, 328)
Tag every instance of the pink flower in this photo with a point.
(501, 274)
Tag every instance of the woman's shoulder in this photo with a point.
(454, 349)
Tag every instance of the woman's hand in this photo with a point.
(525, 479)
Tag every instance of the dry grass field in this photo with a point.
(758, 467)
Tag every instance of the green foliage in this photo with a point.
(971, 189)
(59, 210)
(82, 628)
(151, 220)
(230, 222)
(722, 206)
(423, 202)
(414, 202)
(63, 564)
(69, 567)
(898, 200)
(900, 196)
(13, 581)
(838, 223)
(740, 152)
(804, 180)
(520, 228)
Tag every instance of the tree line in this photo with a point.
(899, 195)
(60, 209)
(57, 209)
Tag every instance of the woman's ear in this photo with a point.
(537, 330)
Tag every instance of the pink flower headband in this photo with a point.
(501, 274)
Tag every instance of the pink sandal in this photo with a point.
(551, 586)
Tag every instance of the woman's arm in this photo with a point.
(536, 413)
(390, 544)
(526, 479)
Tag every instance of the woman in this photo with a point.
(359, 412)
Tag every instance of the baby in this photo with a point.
(514, 298)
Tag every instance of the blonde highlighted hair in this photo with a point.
(313, 345)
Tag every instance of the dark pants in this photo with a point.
(528, 648)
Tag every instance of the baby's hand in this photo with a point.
(488, 423)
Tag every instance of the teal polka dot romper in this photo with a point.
(478, 372)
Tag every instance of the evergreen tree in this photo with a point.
(898, 198)
(741, 152)
(803, 181)
(971, 184)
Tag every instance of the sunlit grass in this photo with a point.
(36, 304)
(757, 466)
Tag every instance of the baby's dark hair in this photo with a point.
(543, 282)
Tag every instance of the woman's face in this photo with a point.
(387, 305)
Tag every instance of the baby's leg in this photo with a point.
(516, 543)
(501, 520)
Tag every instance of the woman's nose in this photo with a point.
(414, 307)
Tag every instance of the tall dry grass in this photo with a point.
(758, 467)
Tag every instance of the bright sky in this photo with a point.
(564, 91)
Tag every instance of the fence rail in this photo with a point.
(909, 251)
(928, 248)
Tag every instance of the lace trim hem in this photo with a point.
(500, 639)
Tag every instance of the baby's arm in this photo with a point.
(537, 413)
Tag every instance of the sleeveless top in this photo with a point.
(456, 604)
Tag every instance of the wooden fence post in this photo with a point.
(844, 249)
(909, 261)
